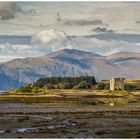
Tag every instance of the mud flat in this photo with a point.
(70, 125)
(96, 109)
(69, 117)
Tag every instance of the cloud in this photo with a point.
(8, 10)
(53, 40)
(48, 36)
(50, 40)
(137, 22)
(132, 38)
(9, 52)
(83, 22)
(43, 15)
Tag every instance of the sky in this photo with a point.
(101, 27)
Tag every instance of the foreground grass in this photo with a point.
(72, 92)
(70, 96)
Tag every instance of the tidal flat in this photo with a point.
(70, 115)
(70, 125)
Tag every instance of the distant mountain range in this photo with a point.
(69, 62)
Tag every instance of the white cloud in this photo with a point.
(9, 52)
(52, 40)
(49, 35)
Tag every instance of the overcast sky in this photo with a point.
(76, 17)
(110, 26)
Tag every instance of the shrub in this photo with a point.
(117, 92)
(22, 89)
(61, 86)
(58, 86)
(67, 86)
(50, 86)
(102, 86)
(137, 88)
(130, 87)
(84, 85)
(27, 88)
(35, 89)
(76, 87)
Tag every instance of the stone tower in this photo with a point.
(117, 83)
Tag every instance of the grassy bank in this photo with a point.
(72, 97)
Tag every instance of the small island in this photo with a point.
(69, 69)
(72, 97)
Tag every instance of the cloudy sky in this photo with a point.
(101, 27)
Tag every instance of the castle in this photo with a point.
(117, 83)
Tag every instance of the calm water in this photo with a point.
(10, 104)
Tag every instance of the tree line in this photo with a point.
(82, 82)
(72, 81)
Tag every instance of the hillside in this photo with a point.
(124, 56)
(68, 62)
(129, 62)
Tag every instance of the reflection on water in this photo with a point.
(10, 104)
(63, 124)
(114, 100)
(97, 101)
(15, 101)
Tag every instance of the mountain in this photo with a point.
(97, 64)
(22, 71)
(74, 57)
(129, 62)
(73, 53)
(124, 56)
(68, 62)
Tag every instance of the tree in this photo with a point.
(27, 88)
(50, 86)
(57, 80)
(101, 86)
(22, 89)
(60, 83)
(130, 87)
(64, 86)
(67, 86)
(35, 89)
(84, 85)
